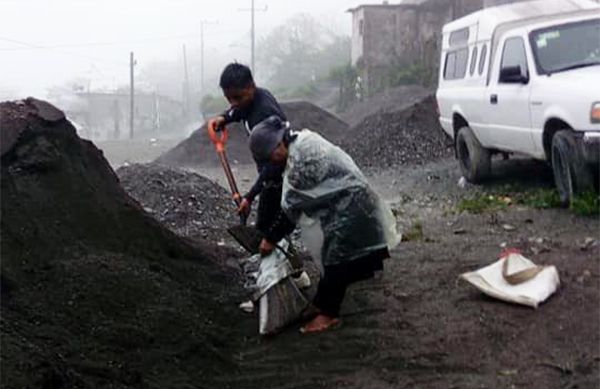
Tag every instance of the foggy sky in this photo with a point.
(49, 42)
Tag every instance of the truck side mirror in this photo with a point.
(513, 75)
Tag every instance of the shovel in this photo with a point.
(248, 237)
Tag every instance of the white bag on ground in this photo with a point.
(514, 278)
(280, 301)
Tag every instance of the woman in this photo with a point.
(342, 219)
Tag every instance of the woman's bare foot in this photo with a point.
(320, 323)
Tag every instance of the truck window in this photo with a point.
(473, 61)
(482, 59)
(456, 64)
(459, 37)
(513, 54)
(567, 46)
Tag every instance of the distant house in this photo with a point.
(387, 38)
(105, 115)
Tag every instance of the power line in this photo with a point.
(84, 45)
(35, 46)
(31, 46)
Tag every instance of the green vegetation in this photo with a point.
(302, 92)
(540, 198)
(496, 199)
(300, 51)
(587, 204)
(483, 203)
(415, 233)
(346, 77)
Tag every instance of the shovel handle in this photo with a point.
(218, 138)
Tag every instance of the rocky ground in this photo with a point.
(419, 326)
(98, 315)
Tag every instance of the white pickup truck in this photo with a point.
(525, 78)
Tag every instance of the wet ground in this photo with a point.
(419, 326)
(96, 293)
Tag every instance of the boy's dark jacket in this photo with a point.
(263, 106)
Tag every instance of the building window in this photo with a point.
(361, 27)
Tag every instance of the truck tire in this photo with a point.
(571, 173)
(475, 160)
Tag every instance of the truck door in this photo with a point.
(508, 97)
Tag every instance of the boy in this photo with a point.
(252, 105)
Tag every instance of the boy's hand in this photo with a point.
(266, 247)
(244, 207)
(216, 124)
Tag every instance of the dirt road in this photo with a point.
(420, 327)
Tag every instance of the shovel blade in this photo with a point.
(247, 236)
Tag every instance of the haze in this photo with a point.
(44, 44)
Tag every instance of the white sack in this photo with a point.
(492, 281)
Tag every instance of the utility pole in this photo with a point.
(252, 9)
(131, 93)
(186, 84)
(252, 34)
(202, 24)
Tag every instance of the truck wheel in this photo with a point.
(474, 160)
(571, 174)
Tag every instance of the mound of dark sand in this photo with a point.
(197, 150)
(95, 292)
(187, 203)
(391, 100)
(411, 136)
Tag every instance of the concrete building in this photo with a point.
(387, 38)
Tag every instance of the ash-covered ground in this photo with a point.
(97, 292)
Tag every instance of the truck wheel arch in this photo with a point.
(458, 122)
(551, 127)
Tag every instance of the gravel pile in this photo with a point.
(390, 100)
(197, 150)
(187, 203)
(303, 114)
(411, 136)
(95, 292)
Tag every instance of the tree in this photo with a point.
(299, 52)
(346, 77)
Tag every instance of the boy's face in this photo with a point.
(240, 97)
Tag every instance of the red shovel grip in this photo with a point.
(218, 138)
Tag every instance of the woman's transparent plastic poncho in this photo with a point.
(340, 216)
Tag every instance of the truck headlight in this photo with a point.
(595, 113)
